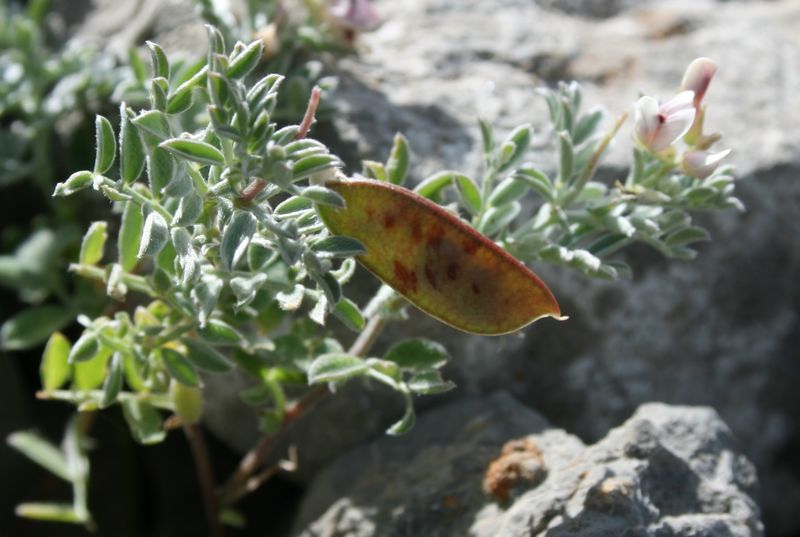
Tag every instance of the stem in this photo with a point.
(594, 160)
(202, 462)
(161, 401)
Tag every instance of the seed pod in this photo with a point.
(438, 262)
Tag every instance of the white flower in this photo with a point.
(701, 164)
(658, 126)
(697, 78)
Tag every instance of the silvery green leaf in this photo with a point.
(537, 180)
(54, 370)
(130, 234)
(144, 421)
(180, 186)
(153, 123)
(290, 301)
(189, 210)
(608, 244)
(205, 296)
(429, 381)
(113, 382)
(687, 235)
(159, 87)
(182, 241)
(131, 151)
(246, 60)
(115, 286)
(519, 139)
(159, 60)
(374, 170)
(587, 126)
(566, 158)
(155, 235)
(313, 164)
(645, 225)
(418, 353)
(181, 99)
(555, 254)
(236, 237)
(338, 246)
(348, 312)
(106, 145)
(205, 357)
(42, 452)
(468, 192)
(194, 150)
(93, 244)
(325, 196)
(179, 367)
(160, 169)
(591, 191)
(585, 261)
(487, 136)
(399, 159)
(74, 183)
(406, 423)
(85, 348)
(330, 286)
(619, 224)
(244, 289)
(290, 250)
(293, 207)
(495, 219)
(335, 367)
(432, 186)
(319, 313)
(700, 194)
(508, 190)
(257, 395)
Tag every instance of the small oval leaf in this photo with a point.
(335, 367)
(54, 370)
(194, 150)
(155, 235)
(106, 148)
(93, 244)
(236, 237)
(179, 367)
(205, 357)
(418, 353)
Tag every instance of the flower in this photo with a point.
(658, 126)
(701, 164)
(697, 78)
(354, 15)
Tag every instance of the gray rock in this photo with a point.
(667, 471)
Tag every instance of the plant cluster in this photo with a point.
(221, 261)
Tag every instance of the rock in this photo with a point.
(667, 471)
(719, 331)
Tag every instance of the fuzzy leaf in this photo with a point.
(438, 262)
(54, 369)
(93, 244)
(42, 452)
(113, 382)
(155, 235)
(195, 151)
(144, 421)
(338, 246)
(335, 367)
(131, 151)
(106, 145)
(130, 236)
(32, 326)
(179, 367)
(417, 354)
(398, 163)
(236, 237)
(205, 357)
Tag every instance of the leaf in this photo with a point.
(510, 189)
(335, 367)
(438, 262)
(189, 210)
(144, 421)
(130, 236)
(194, 150)
(323, 196)
(686, 236)
(468, 190)
(89, 374)
(347, 312)
(432, 186)
(236, 237)
(106, 145)
(429, 382)
(74, 183)
(220, 333)
(188, 402)
(50, 512)
(293, 206)
(519, 139)
(159, 60)
(418, 353)
(312, 164)
(113, 382)
(205, 357)
(131, 151)
(42, 452)
(398, 163)
(290, 301)
(246, 61)
(93, 244)
(179, 367)
(155, 235)
(338, 246)
(54, 369)
(32, 326)
(496, 219)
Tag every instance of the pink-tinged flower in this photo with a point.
(658, 126)
(701, 164)
(354, 15)
(697, 78)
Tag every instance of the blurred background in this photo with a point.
(722, 330)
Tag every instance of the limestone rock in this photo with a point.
(667, 471)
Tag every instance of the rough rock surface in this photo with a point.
(720, 331)
(667, 471)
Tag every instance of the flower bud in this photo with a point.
(657, 127)
(354, 15)
(701, 164)
(697, 78)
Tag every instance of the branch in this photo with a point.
(202, 462)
